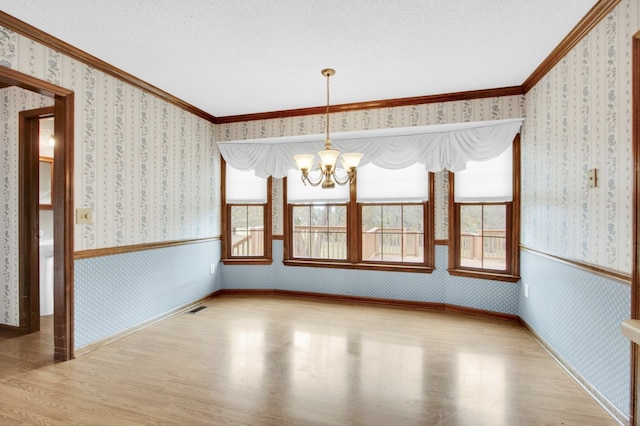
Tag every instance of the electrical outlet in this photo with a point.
(526, 290)
(213, 268)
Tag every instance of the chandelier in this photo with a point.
(328, 157)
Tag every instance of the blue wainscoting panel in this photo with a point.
(117, 292)
(488, 295)
(437, 287)
(358, 282)
(578, 314)
(361, 283)
(251, 277)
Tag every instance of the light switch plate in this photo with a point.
(84, 216)
(592, 174)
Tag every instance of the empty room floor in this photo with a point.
(271, 360)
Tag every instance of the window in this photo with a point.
(393, 206)
(383, 221)
(317, 221)
(246, 217)
(484, 232)
(247, 230)
(483, 236)
(319, 231)
(392, 233)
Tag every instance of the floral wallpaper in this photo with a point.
(148, 169)
(14, 100)
(495, 108)
(277, 222)
(578, 119)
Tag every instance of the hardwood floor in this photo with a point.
(271, 360)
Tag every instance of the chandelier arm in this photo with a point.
(337, 180)
(305, 179)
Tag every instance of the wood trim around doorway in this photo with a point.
(63, 205)
(635, 272)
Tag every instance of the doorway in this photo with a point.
(36, 177)
(62, 204)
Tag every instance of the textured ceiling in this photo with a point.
(230, 57)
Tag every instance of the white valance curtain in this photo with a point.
(438, 147)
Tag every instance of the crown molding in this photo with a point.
(598, 12)
(386, 103)
(65, 48)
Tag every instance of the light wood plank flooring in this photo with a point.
(277, 360)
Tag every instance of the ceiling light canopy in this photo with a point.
(328, 157)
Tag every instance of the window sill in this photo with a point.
(485, 275)
(364, 266)
(247, 261)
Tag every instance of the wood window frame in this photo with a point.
(512, 272)
(354, 248)
(227, 256)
